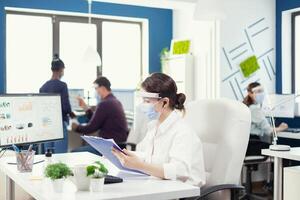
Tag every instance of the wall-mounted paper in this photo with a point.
(249, 66)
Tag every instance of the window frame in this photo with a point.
(98, 21)
(293, 45)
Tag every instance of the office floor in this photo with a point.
(258, 188)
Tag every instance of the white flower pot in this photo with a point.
(80, 179)
(58, 185)
(96, 184)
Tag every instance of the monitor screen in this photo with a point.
(73, 95)
(279, 105)
(30, 118)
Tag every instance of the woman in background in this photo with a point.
(260, 126)
(55, 85)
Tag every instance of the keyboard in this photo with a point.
(112, 179)
(293, 130)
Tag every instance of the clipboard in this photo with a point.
(104, 146)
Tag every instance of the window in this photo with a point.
(72, 49)
(122, 54)
(296, 52)
(28, 52)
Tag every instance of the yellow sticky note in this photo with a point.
(181, 47)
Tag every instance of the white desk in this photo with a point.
(139, 188)
(289, 135)
(293, 154)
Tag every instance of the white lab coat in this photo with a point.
(176, 147)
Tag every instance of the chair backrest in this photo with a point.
(223, 126)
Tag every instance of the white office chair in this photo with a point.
(224, 128)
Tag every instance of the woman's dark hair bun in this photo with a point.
(180, 99)
(55, 57)
(57, 64)
(166, 87)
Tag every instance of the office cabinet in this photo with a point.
(291, 183)
(181, 69)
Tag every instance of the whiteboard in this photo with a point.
(30, 118)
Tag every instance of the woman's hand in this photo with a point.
(74, 126)
(72, 115)
(129, 159)
(283, 126)
(82, 103)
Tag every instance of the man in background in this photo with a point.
(108, 119)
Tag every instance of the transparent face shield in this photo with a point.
(147, 97)
(147, 102)
(259, 94)
(258, 89)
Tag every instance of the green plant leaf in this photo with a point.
(96, 166)
(58, 171)
(90, 170)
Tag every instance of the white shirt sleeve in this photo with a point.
(260, 124)
(179, 165)
(178, 150)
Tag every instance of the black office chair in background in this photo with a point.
(125, 145)
(252, 161)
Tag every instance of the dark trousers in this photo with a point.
(255, 146)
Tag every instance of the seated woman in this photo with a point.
(260, 126)
(170, 149)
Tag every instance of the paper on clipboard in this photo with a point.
(104, 146)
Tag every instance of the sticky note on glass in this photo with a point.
(179, 47)
(249, 66)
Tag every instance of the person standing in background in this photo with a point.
(55, 85)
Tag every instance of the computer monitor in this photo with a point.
(280, 105)
(126, 97)
(30, 118)
(73, 94)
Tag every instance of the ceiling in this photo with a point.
(169, 4)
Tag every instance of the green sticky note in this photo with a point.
(181, 47)
(249, 66)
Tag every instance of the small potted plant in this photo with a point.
(58, 172)
(164, 56)
(96, 172)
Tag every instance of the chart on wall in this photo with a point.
(248, 58)
(30, 118)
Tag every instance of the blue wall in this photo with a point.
(281, 5)
(160, 23)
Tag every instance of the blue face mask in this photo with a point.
(98, 98)
(150, 111)
(259, 98)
